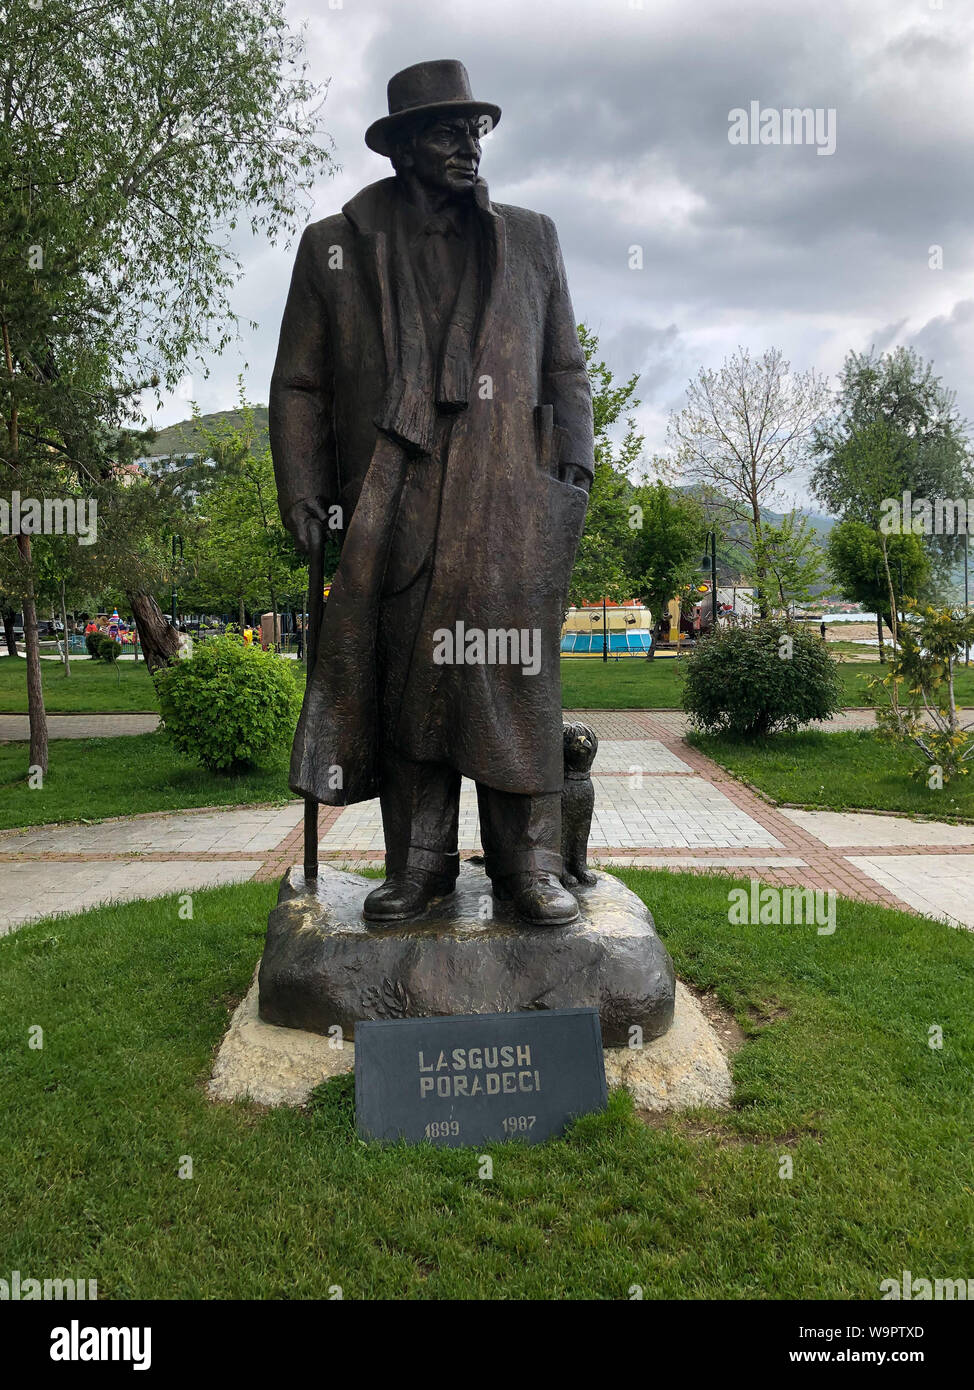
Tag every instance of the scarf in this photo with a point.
(414, 392)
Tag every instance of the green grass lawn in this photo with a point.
(634, 683)
(90, 779)
(284, 1204)
(843, 771)
(93, 687)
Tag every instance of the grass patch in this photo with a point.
(91, 779)
(634, 683)
(133, 1002)
(631, 683)
(845, 771)
(93, 687)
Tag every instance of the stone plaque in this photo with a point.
(478, 1078)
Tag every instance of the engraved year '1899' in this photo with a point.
(442, 1129)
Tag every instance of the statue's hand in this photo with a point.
(577, 476)
(302, 519)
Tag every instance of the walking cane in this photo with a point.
(316, 586)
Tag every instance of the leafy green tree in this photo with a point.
(895, 428)
(134, 136)
(666, 546)
(862, 561)
(245, 548)
(792, 562)
(603, 563)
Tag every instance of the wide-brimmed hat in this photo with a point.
(423, 89)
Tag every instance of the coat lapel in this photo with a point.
(495, 263)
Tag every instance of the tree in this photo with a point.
(666, 546)
(745, 428)
(790, 558)
(134, 135)
(244, 540)
(603, 563)
(895, 428)
(860, 566)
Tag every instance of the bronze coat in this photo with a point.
(507, 530)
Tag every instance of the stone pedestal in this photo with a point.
(324, 965)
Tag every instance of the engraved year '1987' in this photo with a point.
(519, 1124)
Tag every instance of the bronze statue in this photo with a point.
(430, 394)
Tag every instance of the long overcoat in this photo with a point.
(507, 528)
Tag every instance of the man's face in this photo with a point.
(444, 154)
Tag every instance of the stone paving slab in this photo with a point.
(672, 813)
(938, 885)
(15, 728)
(42, 888)
(642, 755)
(844, 829)
(662, 813)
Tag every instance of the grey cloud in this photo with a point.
(615, 123)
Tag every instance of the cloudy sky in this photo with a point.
(615, 123)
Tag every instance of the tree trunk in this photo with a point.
(159, 639)
(64, 638)
(894, 621)
(8, 632)
(35, 690)
(243, 618)
(879, 632)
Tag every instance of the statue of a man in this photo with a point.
(430, 395)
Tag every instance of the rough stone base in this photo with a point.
(281, 1066)
(324, 966)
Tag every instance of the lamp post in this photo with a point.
(605, 631)
(177, 545)
(967, 650)
(709, 561)
(899, 572)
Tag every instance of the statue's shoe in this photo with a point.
(405, 895)
(538, 898)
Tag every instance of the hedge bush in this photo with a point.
(759, 678)
(229, 705)
(102, 647)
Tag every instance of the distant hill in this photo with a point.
(184, 437)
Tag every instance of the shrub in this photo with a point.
(102, 647)
(758, 678)
(229, 704)
(921, 705)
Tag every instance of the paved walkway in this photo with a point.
(15, 728)
(671, 724)
(659, 803)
